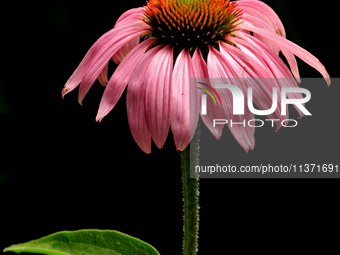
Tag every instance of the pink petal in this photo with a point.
(180, 90)
(292, 63)
(123, 35)
(264, 12)
(120, 79)
(114, 35)
(260, 23)
(79, 73)
(219, 67)
(273, 62)
(267, 14)
(135, 102)
(262, 88)
(199, 70)
(124, 50)
(130, 16)
(213, 111)
(292, 47)
(102, 78)
(157, 95)
(258, 48)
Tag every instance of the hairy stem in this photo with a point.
(190, 196)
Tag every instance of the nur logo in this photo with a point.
(238, 99)
(204, 97)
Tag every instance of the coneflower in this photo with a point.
(159, 47)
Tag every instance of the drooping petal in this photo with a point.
(158, 95)
(79, 73)
(258, 48)
(260, 23)
(200, 71)
(135, 102)
(213, 111)
(102, 78)
(292, 47)
(268, 15)
(120, 79)
(123, 35)
(292, 63)
(180, 92)
(130, 16)
(280, 71)
(264, 12)
(220, 68)
(124, 50)
(250, 73)
(98, 48)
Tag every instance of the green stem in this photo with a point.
(190, 196)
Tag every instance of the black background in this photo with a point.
(61, 170)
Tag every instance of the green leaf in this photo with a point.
(86, 242)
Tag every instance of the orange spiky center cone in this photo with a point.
(191, 23)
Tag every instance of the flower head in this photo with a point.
(159, 47)
(191, 24)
